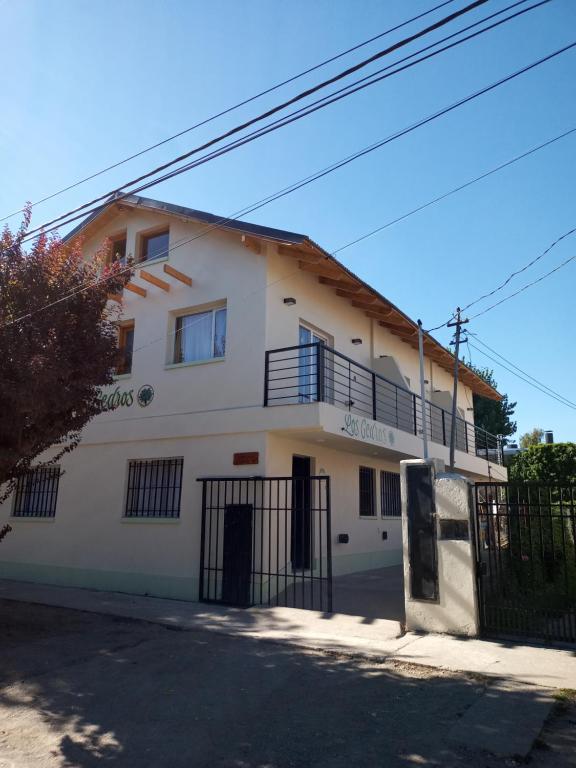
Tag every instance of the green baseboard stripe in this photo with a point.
(173, 587)
(364, 561)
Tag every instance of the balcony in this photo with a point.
(312, 373)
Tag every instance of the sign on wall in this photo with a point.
(125, 398)
(367, 429)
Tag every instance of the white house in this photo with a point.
(250, 357)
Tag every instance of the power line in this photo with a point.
(522, 269)
(517, 272)
(233, 108)
(527, 381)
(300, 113)
(324, 172)
(524, 287)
(524, 373)
(268, 113)
(454, 191)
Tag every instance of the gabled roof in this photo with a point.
(314, 259)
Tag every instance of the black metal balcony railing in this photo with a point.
(316, 373)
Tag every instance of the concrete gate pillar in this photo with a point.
(440, 590)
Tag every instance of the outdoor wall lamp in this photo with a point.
(289, 301)
(356, 341)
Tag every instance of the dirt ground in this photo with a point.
(83, 690)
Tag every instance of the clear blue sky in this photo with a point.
(85, 83)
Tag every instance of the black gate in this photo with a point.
(526, 541)
(266, 541)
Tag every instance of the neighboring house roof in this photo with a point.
(312, 258)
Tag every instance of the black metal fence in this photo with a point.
(526, 545)
(266, 541)
(316, 373)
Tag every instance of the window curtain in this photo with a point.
(194, 337)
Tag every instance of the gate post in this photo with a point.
(440, 589)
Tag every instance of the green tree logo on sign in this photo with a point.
(145, 395)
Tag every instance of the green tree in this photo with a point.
(493, 415)
(529, 439)
(553, 464)
(56, 354)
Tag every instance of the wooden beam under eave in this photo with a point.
(114, 297)
(313, 258)
(252, 243)
(136, 289)
(366, 298)
(399, 325)
(343, 284)
(323, 268)
(360, 304)
(177, 275)
(375, 314)
(150, 278)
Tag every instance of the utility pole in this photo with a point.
(422, 389)
(458, 323)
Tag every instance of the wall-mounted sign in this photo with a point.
(250, 457)
(145, 395)
(116, 399)
(124, 398)
(366, 429)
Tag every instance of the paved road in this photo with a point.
(84, 690)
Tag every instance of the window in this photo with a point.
(36, 493)
(200, 336)
(390, 494)
(125, 347)
(367, 492)
(308, 364)
(118, 249)
(154, 246)
(154, 488)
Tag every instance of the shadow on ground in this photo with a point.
(84, 690)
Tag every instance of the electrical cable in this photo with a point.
(277, 108)
(231, 109)
(527, 381)
(260, 204)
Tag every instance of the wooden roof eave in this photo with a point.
(312, 258)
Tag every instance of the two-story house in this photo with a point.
(250, 444)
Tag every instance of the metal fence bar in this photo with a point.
(286, 520)
(317, 373)
(527, 560)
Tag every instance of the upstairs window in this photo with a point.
(125, 348)
(118, 249)
(367, 482)
(37, 493)
(154, 246)
(200, 336)
(154, 488)
(390, 494)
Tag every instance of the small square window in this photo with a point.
(367, 484)
(200, 336)
(390, 494)
(125, 348)
(154, 488)
(154, 246)
(37, 493)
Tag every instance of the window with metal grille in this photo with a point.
(154, 488)
(367, 479)
(37, 492)
(390, 494)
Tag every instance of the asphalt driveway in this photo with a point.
(83, 690)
